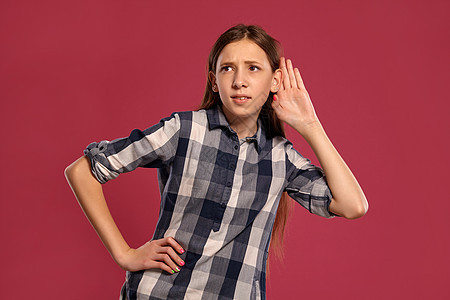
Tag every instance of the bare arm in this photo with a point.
(348, 199)
(293, 106)
(89, 193)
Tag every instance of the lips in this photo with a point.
(240, 98)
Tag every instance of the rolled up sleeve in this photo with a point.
(307, 184)
(154, 147)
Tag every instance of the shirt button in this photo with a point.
(231, 166)
(236, 147)
(229, 184)
(223, 205)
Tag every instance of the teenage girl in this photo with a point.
(224, 172)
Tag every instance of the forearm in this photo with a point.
(293, 106)
(89, 194)
(348, 198)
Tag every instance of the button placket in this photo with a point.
(228, 185)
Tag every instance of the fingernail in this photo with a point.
(182, 263)
(173, 271)
(182, 250)
(178, 270)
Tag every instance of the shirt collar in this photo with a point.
(216, 119)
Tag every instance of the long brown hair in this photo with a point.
(272, 125)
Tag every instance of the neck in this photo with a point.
(244, 127)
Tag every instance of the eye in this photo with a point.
(226, 68)
(254, 68)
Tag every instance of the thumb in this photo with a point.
(275, 101)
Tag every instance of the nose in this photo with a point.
(239, 80)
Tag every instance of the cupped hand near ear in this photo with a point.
(155, 254)
(292, 103)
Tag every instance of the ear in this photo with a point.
(276, 81)
(212, 79)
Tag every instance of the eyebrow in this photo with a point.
(247, 62)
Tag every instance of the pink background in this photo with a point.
(72, 72)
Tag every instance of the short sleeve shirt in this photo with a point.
(219, 198)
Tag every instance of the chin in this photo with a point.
(243, 112)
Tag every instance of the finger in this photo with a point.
(290, 69)
(284, 71)
(174, 256)
(174, 244)
(276, 105)
(169, 262)
(275, 101)
(299, 79)
(165, 267)
(282, 88)
(159, 256)
(168, 247)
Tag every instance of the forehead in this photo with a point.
(243, 50)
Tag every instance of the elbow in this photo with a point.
(75, 168)
(355, 214)
(68, 172)
(357, 211)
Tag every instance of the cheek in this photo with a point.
(266, 83)
(221, 82)
(264, 89)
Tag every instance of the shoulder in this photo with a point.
(189, 115)
(178, 119)
(279, 143)
(186, 121)
(285, 147)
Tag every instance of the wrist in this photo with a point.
(121, 256)
(309, 128)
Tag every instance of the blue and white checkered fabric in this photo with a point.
(219, 197)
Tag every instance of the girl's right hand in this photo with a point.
(154, 254)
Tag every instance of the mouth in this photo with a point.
(240, 98)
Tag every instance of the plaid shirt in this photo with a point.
(219, 198)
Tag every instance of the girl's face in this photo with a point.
(244, 79)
